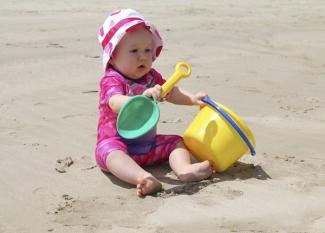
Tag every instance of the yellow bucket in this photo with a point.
(219, 135)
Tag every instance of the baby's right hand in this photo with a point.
(153, 92)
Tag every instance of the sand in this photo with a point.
(263, 59)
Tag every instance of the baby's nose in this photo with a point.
(142, 55)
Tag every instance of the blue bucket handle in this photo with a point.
(208, 101)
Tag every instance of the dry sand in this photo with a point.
(263, 59)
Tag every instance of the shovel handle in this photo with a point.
(182, 70)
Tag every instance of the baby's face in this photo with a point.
(133, 55)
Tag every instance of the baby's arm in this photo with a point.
(183, 97)
(116, 102)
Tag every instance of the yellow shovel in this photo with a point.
(182, 70)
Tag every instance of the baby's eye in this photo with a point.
(148, 50)
(133, 51)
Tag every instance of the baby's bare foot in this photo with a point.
(196, 172)
(148, 185)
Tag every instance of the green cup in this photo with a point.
(138, 118)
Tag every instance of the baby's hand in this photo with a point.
(153, 92)
(197, 99)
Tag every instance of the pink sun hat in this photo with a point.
(116, 26)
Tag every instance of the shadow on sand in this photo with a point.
(238, 171)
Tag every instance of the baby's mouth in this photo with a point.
(141, 66)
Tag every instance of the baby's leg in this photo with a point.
(180, 162)
(126, 169)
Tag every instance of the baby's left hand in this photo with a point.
(197, 98)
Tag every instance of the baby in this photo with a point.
(130, 46)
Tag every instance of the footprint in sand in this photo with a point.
(83, 163)
(233, 193)
(66, 204)
(309, 104)
(202, 76)
(54, 45)
(63, 164)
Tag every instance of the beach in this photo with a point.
(262, 59)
